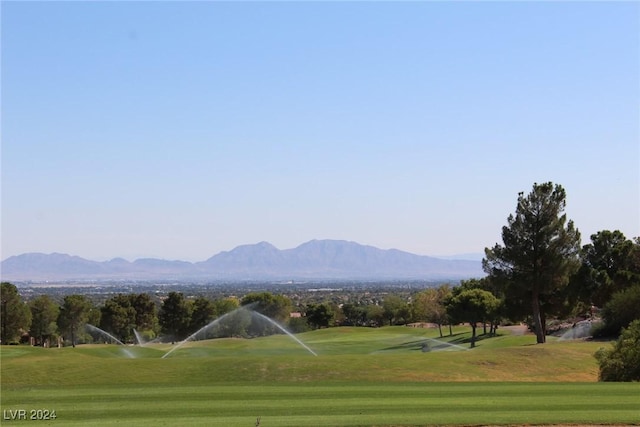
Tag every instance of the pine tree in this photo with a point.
(540, 252)
(15, 316)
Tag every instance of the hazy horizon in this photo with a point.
(179, 130)
(469, 256)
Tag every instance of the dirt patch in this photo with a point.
(422, 325)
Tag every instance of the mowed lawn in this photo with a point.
(361, 377)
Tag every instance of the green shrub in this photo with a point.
(622, 362)
(298, 325)
(620, 311)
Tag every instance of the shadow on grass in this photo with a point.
(409, 345)
(423, 345)
(467, 340)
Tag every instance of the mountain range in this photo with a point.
(316, 259)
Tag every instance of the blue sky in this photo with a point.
(181, 129)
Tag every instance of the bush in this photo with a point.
(298, 325)
(622, 362)
(620, 311)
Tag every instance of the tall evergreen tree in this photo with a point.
(44, 312)
(202, 313)
(175, 316)
(146, 312)
(119, 317)
(15, 315)
(319, 315)
(73, 315)
(539, 254)
(609, 265)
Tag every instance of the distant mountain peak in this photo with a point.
(315, 259)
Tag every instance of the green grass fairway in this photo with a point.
(334, 404)
(361, 377)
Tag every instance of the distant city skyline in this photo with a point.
(179, 130)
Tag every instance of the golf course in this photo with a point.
(391, 376)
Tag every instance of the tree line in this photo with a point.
(171, 318)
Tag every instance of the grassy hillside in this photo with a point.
(361, 376)
(356, 354)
